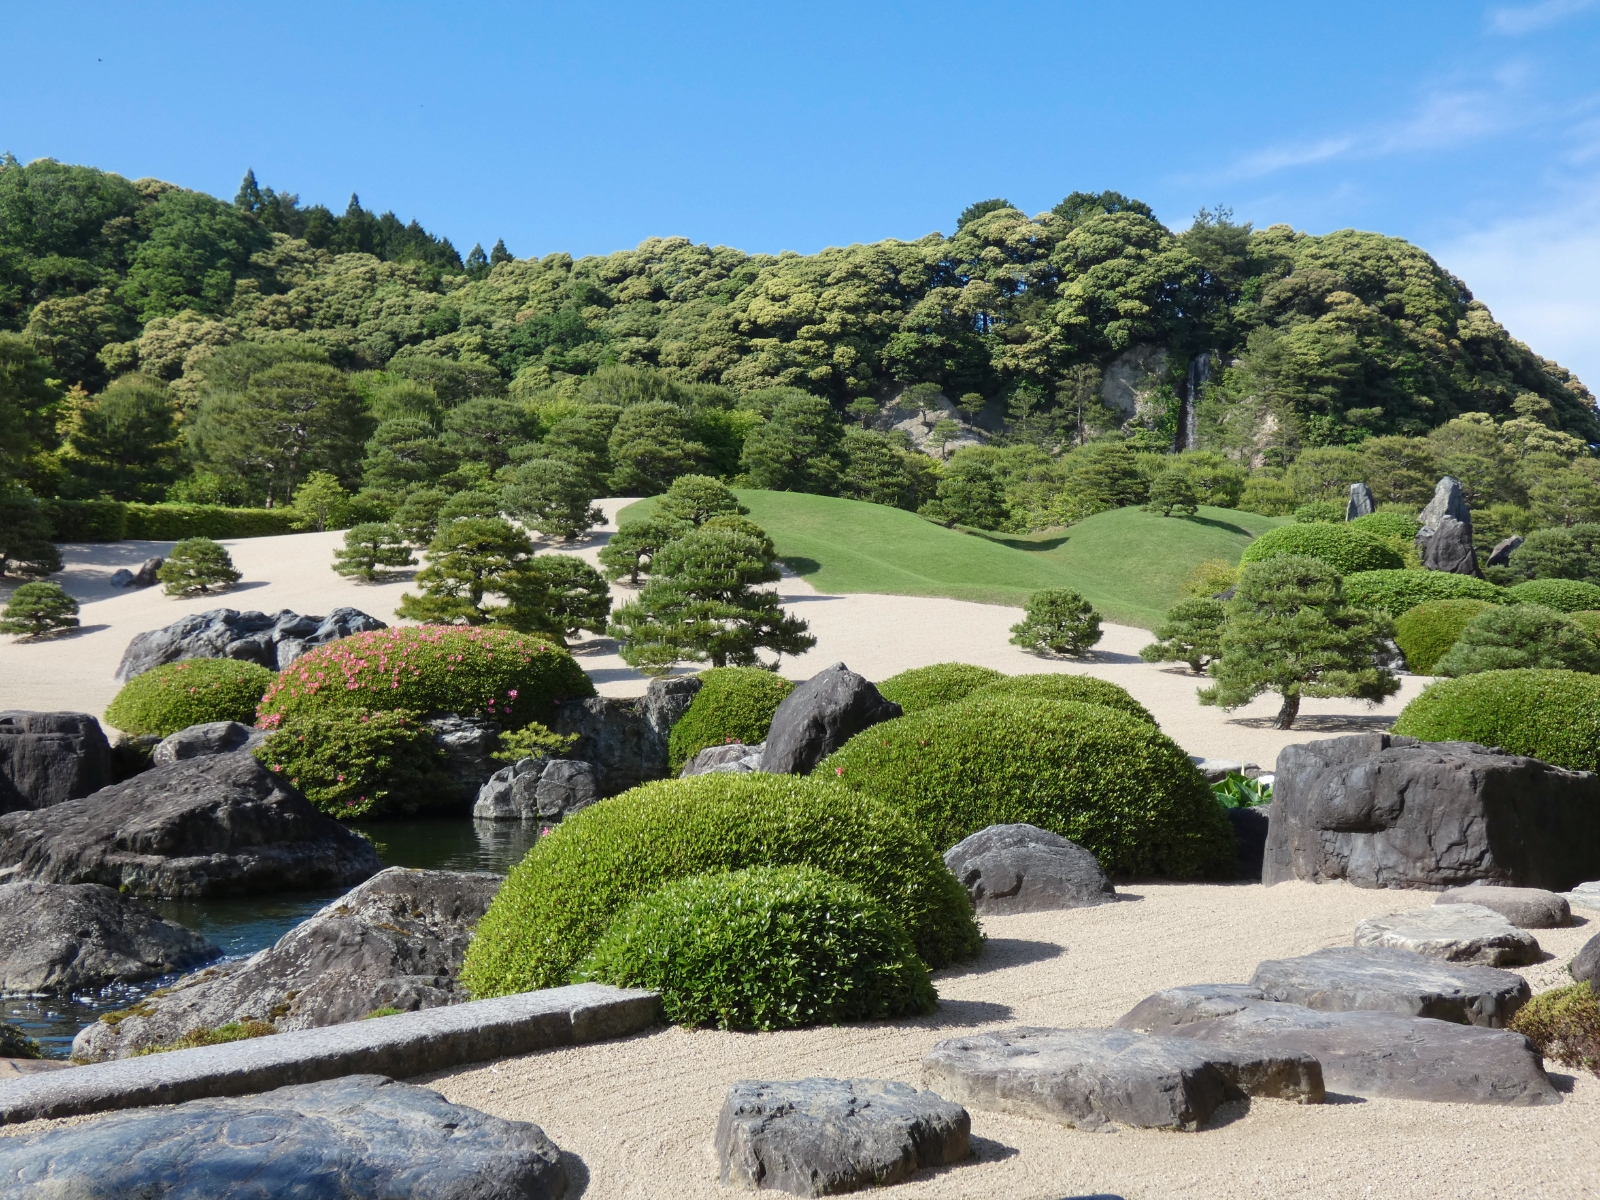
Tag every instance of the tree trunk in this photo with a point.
(1289, 711)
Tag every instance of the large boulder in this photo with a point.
(627, 739)
(1458, 933)
(1346, 978)
(819, 716)
(213, 737)
(735, 758)
(213, 826)
(1526, 908)
(538, 789)
(1387, 811)
(75, 937)
(816, 1137)
(1445, 538)
(1251, 824)
(268, 640)
(394, 942)
(1585, 967)
(1022, 868)
(1500, 556)
(48, 757)
(468, 744)
(361, 1137)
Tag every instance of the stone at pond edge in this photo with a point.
(1457, 933)
(819, 716)
(538, 789)
(212, 737)
(354, 1138)
(468, 744)
(1022, 868)
(817, 1137)
(1345, 978)
(627, 739)
(1526, 908)
(49, 757)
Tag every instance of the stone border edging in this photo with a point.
(399, 1046)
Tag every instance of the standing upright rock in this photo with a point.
(821, 715)
(1360, 503)
(1445, 538)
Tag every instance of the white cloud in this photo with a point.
(1530, 18)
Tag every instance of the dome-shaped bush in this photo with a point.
(1508, 637)
(511, 678)
(1394, 592)
(363, 764)
(1342, 547)
(734, 704)
(942, 683)
(1425, 632)
(1085, 689)
(1587, 620)
(764, 948)
(1390, 526)
(166, 699)
(558, 902)
(1549, 715)
(1563, 595)
(1111, 782)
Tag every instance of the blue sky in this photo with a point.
(1470, 129)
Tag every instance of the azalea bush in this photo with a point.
(360, 763)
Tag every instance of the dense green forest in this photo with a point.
(158, 343)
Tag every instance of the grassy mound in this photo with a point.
(1394, 592)
(1343, 547)
(559, 901)
(1111, 782)
(1564, 1023)
(1426, 632)
(734, 704)
(167, 699)
(943, 683)
(1549, 715)
(765, 948)
(1563, 595)
(1085, 689)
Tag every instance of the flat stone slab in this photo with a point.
(356, 1138)
(1096, 1078)
(817, 1137)
(1586, 895)
(1022, 868)
(1345, 979)
(399, 1046)
(1456, 933)
(1526, 908)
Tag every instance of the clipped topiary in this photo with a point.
(734, 704)
(1564, 1023)
(1548, 715)
(557, 904)
(1390, 526)
(1563, 595)
(1191, 633)
(197, 565)
(1512, 636)
(1082, 689)
(1319, 512)
(765, 948)
(1111, 782)
(1425, 632)
(36, 609)
(1394, 592)
(192, 692)
(1343, 547)
(511, 678)
(361, 764)
(942, 683)
(1057, 621)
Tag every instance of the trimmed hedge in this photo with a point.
(86, 520)
(1390, 526)
(1394, 592)
(1111, 782)
(1084, 689)
(114, 520)
(1549, 715)
(1343, 547)
(362, 764)
(734, 704)
(943, 683)
(166, 699)
(512, 678)
(1426, 632)
(1563, 595)
(557, 904)
(1507, 637)
(765, 948)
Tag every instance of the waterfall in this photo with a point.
(1198, 375)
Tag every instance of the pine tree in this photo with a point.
(25, 546)
(696, 499)
(1191, 633)
(197, 565)
(551, 496)
(369, 547)
(556, 594)
(468, 560)
(1057, 621)
(633, 547)
(36, 609)
(417, 518)
(1172, 490)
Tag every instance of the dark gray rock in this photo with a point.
(468, 744)
(1094, 1078)
(819, 716)
(1585, 967)
(1360, 503)
(1457, 933)
(213, 826)
(538, 789)
(268, 640)
(733, 759)
(1500, 556)
(1526, 908)
(817, 1137)
(49, 757)
(1345, 978)
(394, 942)
(357, 1138)
(148, 574)
(121, 578)
(77, 937)
(1386, 811)
(1250, 829)
(627, 739)
(1449, 501)
(1022, 868)
(1449, 548)
(213, 737)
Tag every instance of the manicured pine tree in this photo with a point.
(197, 565)
(633, 547)
(558, 595)
(1172, 490)
(468, 560)
(551, 496)
(36, 609)
(696, 499)
(370, 549)
(1057, 621)
(1191, 633)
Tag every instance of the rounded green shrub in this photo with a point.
(512, 678)
(1320, 512)
(1563, 595)
(942, 683)
(1390, 526)
(1425, 632)
(1057, 621)
(765, 948)
(1564, 1024)
(1345, 549)
(1085, 689)
(1394, 592)
(362, 764)
(1111, 782)
(1587, 620)
(557, 904)
(1507, 637)
(734, 704)
(1548, 715)
(166, 699)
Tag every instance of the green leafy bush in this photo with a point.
(511, 678)
(1390, 526)
(1108, 780)
(1320, 512)
(765, 948)
(1549, 715)
(734, 704)
(943, 683)
(1237, 791)
(174, 522)
(1512, 636)
(1058, 621)
(1426, 631)
(1345, 549)
(1082, 689)
(1563, 595)
(1564, 1023)
(173, 697)
(1588, 620)
(36, 609)
(557, 904)
(361, 764)
(197, 565)
(1394, 592)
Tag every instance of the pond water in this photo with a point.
(241, 925)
